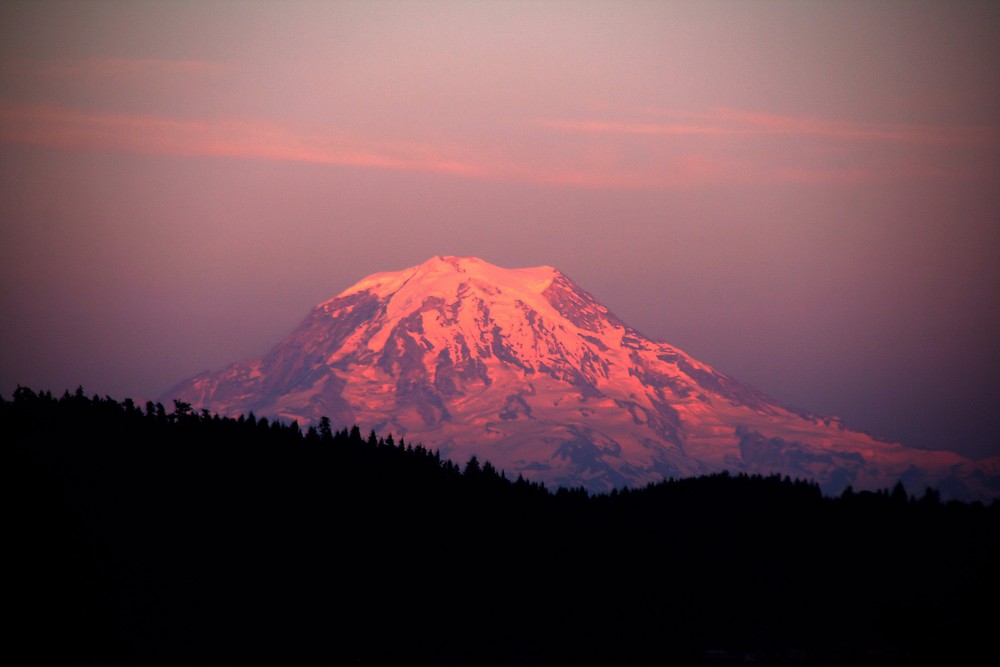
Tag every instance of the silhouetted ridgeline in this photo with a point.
(141, 536)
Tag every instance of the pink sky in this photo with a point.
(803, 194)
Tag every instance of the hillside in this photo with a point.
(143, 536)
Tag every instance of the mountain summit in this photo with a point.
(525, 369)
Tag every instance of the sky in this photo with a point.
(804, 195)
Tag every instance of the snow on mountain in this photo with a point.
(525, 369)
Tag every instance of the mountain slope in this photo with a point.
(524, 368)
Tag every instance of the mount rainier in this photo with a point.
(523, 368)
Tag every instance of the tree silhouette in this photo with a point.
(141, 539)
(472, 467)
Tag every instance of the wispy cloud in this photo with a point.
(262, 140)
(737, 123)
(743, 146)
(60, 128)
(914, 133)
(712, 149)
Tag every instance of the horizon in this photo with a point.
(802, 195)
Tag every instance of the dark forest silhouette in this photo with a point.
(142, 536)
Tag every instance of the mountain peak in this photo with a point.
(441, 271)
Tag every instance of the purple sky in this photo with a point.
(805, 195)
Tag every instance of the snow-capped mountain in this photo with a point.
(525, 369)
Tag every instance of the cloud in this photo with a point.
(736, 123)
(915, 133)
(255, 139)
(76, 130)
(710, 149)
(730, 145)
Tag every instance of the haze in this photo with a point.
(805, 195)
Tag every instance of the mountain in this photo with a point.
(524, 368)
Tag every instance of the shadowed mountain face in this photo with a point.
(525, 369)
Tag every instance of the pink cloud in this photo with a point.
(600, 157)
(731, 146)
(852, 130)
(730, 122)
(75, 130)
(59, 128)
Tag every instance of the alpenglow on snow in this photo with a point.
(523, 368)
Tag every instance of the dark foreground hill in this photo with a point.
(142, 537)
